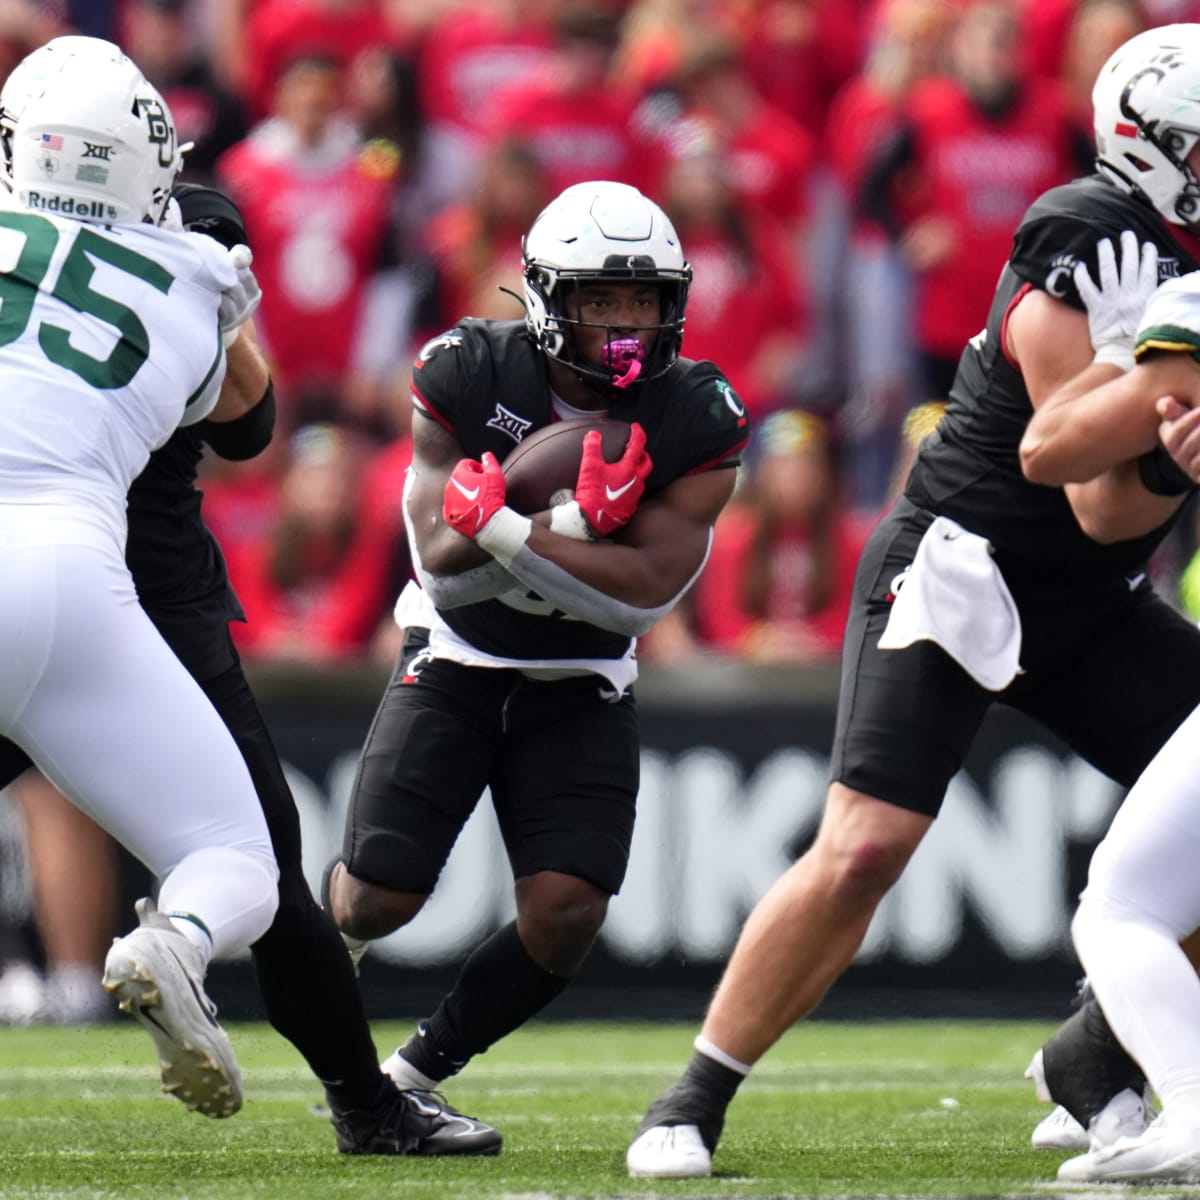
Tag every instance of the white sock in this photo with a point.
(407, 1077)
(713, 1051)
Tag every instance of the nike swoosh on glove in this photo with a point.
(608, 493)
(474, 494)
(239, 300)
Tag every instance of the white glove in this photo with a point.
(1114, 308)
(239, 301)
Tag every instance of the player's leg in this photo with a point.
(106, 710)
(1116, 705)
(1141, 899)
(307, 980)
(905, 721)
(565, 792)
(425, 763)
(421, 773)
(74, 892)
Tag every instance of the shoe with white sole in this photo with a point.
(157, 977)
(1059, 1131)
(669, 1152)
(1167, 1151)
(678, 1134)
(1127, 1114)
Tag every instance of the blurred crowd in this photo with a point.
(845, 176)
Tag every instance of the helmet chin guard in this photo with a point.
(604, 232)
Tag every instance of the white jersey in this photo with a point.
(1172, 318)
(107, 335)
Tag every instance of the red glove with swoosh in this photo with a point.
(474, 494)
(608, 493)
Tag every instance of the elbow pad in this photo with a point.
(249, 435)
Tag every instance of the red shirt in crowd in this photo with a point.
(981, 174)
(318, 222)
(277, 31)
(736, 306)
(575, 136)
(468, 56)
(721, 622)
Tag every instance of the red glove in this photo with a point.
(473, 495)
(608, 493)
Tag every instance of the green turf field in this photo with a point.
(915, 1109)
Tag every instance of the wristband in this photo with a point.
(1161, 474)
(1117, 354)
(504, 535)
(568, 520)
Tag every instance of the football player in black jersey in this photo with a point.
(307, 982)
(982, 586)
(518, 667)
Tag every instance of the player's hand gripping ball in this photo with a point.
(474, 494)
(608, 493)
(543, 469)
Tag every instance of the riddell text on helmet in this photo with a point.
(70, 207)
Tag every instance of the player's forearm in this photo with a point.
(247, 376)
(618, 587)
(1083, 429)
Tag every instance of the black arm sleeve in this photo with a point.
(874, 196)
(249, 435)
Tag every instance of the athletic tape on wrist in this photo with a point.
(504, 534)
(568, 521)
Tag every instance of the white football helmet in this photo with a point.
(30, 76)
(610, 232)
(1146, 102)
(96, 144)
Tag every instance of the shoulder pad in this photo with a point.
(1063, 227)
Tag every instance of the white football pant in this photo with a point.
(1142, 898)
(93, 694)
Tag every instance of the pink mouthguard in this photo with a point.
(624, 354)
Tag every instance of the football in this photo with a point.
(543, 468)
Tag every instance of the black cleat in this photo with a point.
(413, 1122)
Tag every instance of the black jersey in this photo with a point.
(173, 557)
(969, 469)
(486, 382)
(175, 561)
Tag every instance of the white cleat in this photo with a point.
(669, 1152)
(1059, 1131)
(1126, 1115)
(157, 977)
(1167, 1151)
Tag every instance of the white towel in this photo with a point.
(954, 595)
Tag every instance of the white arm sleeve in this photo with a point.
(587, 603)
(453, 591)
